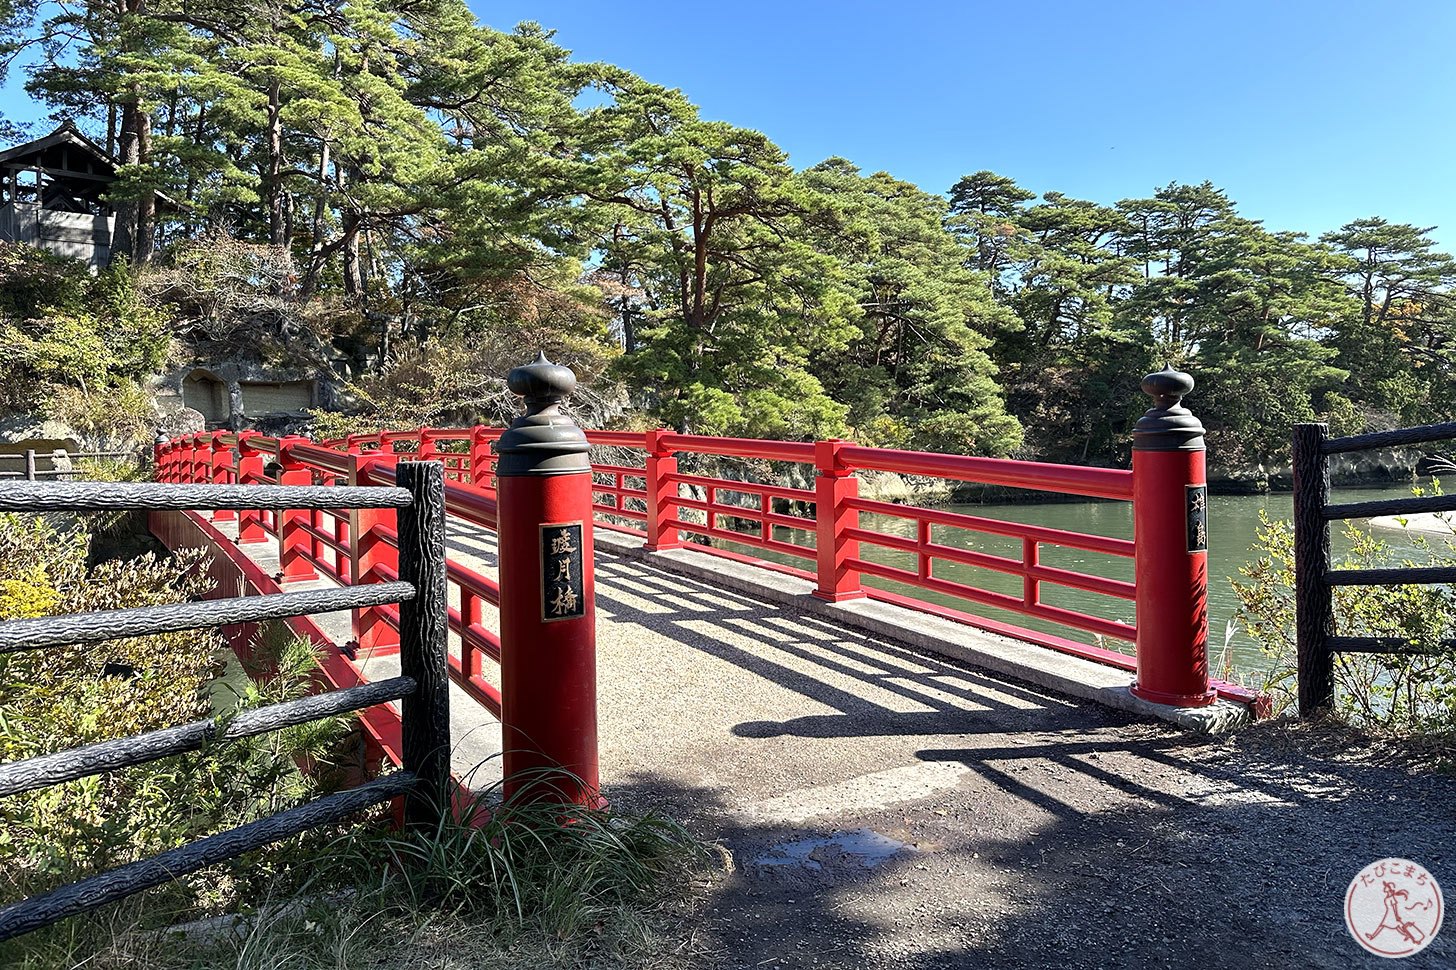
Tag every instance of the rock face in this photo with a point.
(1392, 466)
(1431, 523)
(42, 434)
(178, 419)
(239, 394)
(890, 487)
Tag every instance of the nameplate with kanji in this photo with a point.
(1197, 496)
(563, 584)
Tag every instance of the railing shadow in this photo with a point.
(1067, 855)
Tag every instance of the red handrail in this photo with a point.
(1112, 483)
(795, 451)
(620, 439)
(827, 517)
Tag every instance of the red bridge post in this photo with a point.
(662, 505)
(547, 597)
(480, 456)
(193, 470)
(221, 472)
(1170, 534)
(250, 472)
(294, 542)
(161, 458)
(373, 558)
(835, 483)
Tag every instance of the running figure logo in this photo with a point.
(1393, 908)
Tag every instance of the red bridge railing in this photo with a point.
(546, 701)
(351, 547)
(823, 531)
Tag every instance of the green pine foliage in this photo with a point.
(387, 189)
(79, 348)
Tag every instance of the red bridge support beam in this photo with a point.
(662, 505)
(1170, 509)
(547, 596)
(835, 483)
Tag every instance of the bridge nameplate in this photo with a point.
(1197, 496)
(563, 584)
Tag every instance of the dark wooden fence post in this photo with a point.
(1313, 608)
(423, 639)
(30, 464)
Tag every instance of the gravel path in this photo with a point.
(1106, 846)
(988, 823)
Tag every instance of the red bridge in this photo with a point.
(661, 533)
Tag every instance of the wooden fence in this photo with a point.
(1314, 580)
(422, 685)
(30, 471)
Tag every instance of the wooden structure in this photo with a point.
(1317, 641)
(419, 587)
(53, 195)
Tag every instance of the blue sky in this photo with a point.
(1308, 113)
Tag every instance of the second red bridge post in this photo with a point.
(547, 595)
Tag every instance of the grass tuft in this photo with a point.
(519, 883)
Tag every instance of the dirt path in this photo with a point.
(989, 823)
(1110, 845)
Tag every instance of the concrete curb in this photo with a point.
(1063, 673)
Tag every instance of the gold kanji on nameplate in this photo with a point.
(1197, 517)
(563, 582)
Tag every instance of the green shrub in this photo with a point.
(78, 347)
(1387, 693)
(499, 885)
(58, 698)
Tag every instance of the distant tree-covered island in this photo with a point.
(417, 200)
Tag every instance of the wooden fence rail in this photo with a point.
(419, 497)
(31, 472)
(1314, 580)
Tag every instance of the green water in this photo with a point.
(1233, 522)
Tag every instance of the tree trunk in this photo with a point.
(319, 251)
(321, 199)
(350, 219)
(135, 217)
(147, 204)
(353, 269)
(124, 240)
(274, 180)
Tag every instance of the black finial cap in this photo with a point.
(542, 383)
(543, 441)
(1168, 425)
(1167, 387)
